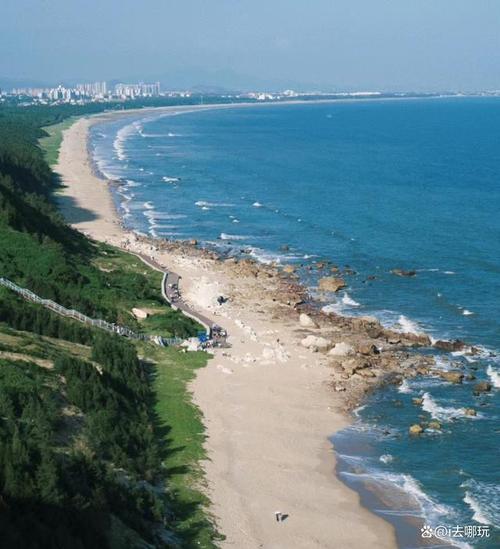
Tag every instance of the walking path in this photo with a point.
(170, 292)
(28, 295)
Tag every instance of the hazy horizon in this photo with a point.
(387, 45)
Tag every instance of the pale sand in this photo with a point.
(267, 408)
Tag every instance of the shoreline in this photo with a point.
(297, 474)
(335, 390)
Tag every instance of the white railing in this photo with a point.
(76, 315)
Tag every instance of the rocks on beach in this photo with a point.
(341, 349)
(331, 284)
(306, 321)
(315, 342)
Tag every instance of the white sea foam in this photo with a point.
(347, 300)
(409, 326)
(424, 505)
(257, 205)
(153, 214)
(225, 236)
(149, 205)
(494, 376)
(466, 312)
(449, 272)
(386, 458)
(484, 501)
(204, 203)
(121, 136)
(404, 387)
(170, 179)
(443, 413)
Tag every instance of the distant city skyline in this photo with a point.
(331, 45)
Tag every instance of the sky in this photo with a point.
(387, 45)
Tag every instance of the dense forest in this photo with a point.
(81, 447)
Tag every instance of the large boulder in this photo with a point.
(416, 429)
(368, 349)
(450, 346)
(482, 387)
(140, 314)
(306, 321)
(315, 342)
(341, 349)
(331, 284)
(452, 376)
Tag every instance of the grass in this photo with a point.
(52, 143)
(181, 423)
(165, 321)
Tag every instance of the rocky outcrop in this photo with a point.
(289, 269)
(331, 284)
(368, 349)
(482, 387)
(470, 412)
(450, 346)
(451, 376)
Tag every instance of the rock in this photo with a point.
(368, 349)
(193, 242)
(452, 376)
(470, 412)
(470, 377)
(289, 269)
(434, 425)
(450, 346)
(285, 248)
(331, 284)
(316, 342)
(416, 429)
(417, 401)
(341, 349)
(482, 387)
(402, 272)
(140, 314)
(320, 265)
(306, 321)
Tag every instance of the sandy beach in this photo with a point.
(267, 401)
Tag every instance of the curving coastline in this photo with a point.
(267, 402)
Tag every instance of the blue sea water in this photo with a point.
(374, 185)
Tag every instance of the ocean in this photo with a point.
(372, 186)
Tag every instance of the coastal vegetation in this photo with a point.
(99, 440)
